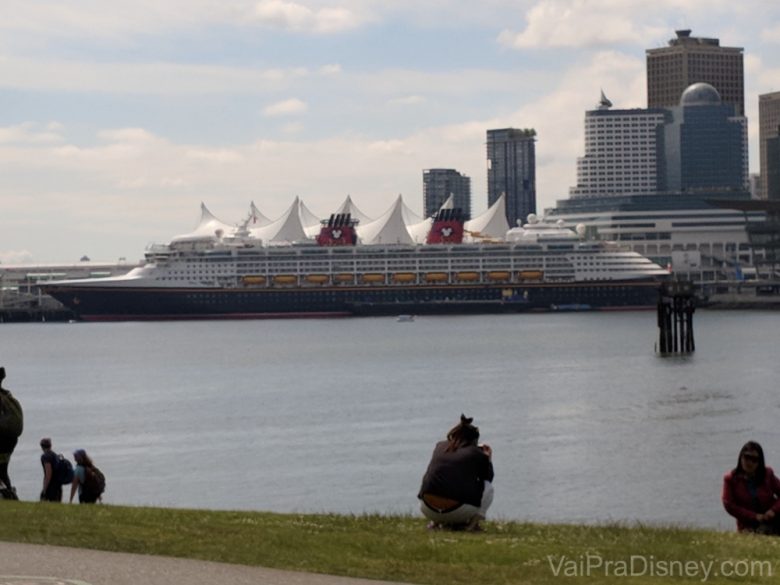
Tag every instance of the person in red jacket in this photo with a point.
(751, 491)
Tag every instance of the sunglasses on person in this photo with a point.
(751, 457)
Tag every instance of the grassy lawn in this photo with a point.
(401, 549)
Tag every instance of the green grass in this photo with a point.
(398, 548)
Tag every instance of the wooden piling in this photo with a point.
(676, 305)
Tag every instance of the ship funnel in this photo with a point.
(338, 230)
(447, 227)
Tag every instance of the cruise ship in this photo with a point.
(386, 267)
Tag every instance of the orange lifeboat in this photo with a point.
(436, 277)
(530, 275)
(403, 277)
(253, 280)
(498, 276)
(344, 277)
(467, 276)
(317, 278)
(372, 278)
(285, 279)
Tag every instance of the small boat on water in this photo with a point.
(404, 318)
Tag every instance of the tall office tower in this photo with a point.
(688, 60)
(621, 152)
(773, 168)
(768, 122)
(704, 144)
(511, 158)
(439, 184)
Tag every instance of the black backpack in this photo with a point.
(63, 470)
(94, 481)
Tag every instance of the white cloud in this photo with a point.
(143, 78)
(28, 133)
(579, 23)
(297, 17)
(409, 100)
(332, 69)
(289, 107)
(15, 257)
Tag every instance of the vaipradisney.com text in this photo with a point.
(595, 565)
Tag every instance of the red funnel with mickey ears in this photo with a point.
(339, 230)
(447, 227)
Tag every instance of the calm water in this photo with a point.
(586, 422)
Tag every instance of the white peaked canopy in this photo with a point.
(256, 218)
(410, 217)
(349, 207)
(449, 203)
(310, 222)
(389, 228)
(209, 228)
(288, 228)
(419, 231)
(492, 223)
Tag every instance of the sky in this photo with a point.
(119, 117)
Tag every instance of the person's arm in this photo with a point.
(774, 486)
(732, 506)
(47, 475)
(73, 487)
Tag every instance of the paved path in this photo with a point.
(33, 564)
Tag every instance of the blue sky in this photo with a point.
(118, 117)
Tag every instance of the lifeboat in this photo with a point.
(436, 277)
(316, 278)
(285, 279)
(253, 280)
(530, 275)
(372, 277)
(344, 277)
(467, 276)
(498, 276)
(403, 277)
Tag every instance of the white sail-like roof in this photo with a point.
(349, 207)
(389, 228)
(449, 203)
(491, 224)
(256, 218)
(419, 231)
(310, 222)
(288, 228)
(410, 217)
(209, 228)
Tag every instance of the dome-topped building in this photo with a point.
(700, 94)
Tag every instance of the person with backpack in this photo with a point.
(56, 470)
(87, 479)
(11, 427)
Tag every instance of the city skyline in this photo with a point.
(118, 119)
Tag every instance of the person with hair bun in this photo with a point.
(751, 491)
(457, 489)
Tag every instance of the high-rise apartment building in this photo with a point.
(621, 152)
(511, 160)
(768, 124)
(439, 184)
(688, 60)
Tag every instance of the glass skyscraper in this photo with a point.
(511, 160)
(439, 184)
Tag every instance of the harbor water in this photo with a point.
(586, 422)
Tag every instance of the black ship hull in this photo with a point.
(110, 303)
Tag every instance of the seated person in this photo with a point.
(456, 490)
(751, 491)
